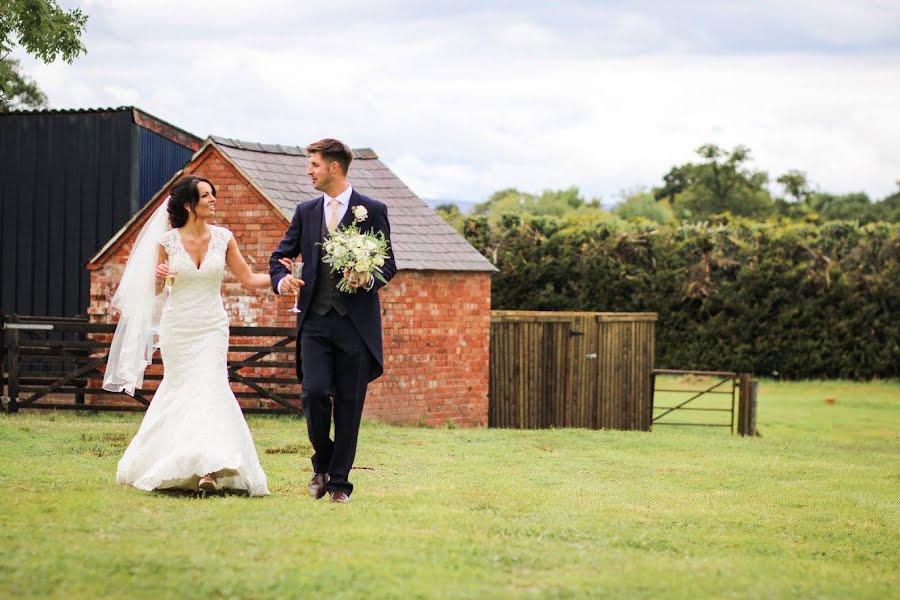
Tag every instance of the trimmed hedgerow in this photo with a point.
(794, 300)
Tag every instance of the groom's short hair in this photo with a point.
(334, 151)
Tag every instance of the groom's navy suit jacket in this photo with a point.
(304, 236)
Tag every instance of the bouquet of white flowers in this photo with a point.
(349, 250)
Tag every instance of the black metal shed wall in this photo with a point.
(160, 159)
(66, 186)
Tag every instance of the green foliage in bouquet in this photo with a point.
(348, 249)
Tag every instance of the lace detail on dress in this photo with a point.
(220, 238)
(194, 424)
(169, 241)
(195, 306)
(218, 242)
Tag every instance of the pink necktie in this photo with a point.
(332, 221)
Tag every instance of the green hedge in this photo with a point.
(790, 300)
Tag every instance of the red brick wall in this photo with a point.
(436, 323)
(257, 228)
(436, 328)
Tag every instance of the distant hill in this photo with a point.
(465, 206)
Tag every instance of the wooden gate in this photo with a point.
(571, 369)
(58, 363)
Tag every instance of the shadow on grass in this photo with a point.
(195, 495)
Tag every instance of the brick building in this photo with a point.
(436, 310)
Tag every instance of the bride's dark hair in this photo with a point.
(184, 198)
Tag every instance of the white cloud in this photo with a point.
(841, 22)
(460, 106)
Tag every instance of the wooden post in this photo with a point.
(80, 336)
(13, 405)
(2, 359)
(754, 386)
(79, 395)
(746, 422)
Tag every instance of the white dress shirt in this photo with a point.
(343, 204)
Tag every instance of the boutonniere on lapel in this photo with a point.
(356, 255)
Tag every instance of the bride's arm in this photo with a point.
(239, 267)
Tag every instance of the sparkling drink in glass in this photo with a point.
(169, 282)
(296, 273)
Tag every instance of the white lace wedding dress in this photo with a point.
(194, 425)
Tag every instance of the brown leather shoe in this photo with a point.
(207, 483)
(338, 496)
(317, 485)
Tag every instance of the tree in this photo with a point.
(17, 90)
(795, 203)
(855, 206)
(888, 209)
(721, 183)
(795, 185)
(502, 201)
(450, 212)
(643, 205)
(557, 203)
(801, 202)
(43, 30)
(676, 180)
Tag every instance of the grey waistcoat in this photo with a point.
(326, 296)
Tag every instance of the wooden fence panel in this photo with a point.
(569, 369)
(524, 359)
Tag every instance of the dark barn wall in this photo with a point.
(65, 186)
(160, 158)
(68, 182)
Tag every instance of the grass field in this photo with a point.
(809, 510)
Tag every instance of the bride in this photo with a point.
(193, 435)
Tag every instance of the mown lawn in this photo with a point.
(808, 510)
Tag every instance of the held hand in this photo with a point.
(162, 271)
(357, 280)
(289, 285)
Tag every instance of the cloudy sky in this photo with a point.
(463, 98)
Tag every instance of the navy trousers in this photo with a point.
(336, 364)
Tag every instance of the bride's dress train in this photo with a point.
(194, 424)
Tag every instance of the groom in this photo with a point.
(338, 334)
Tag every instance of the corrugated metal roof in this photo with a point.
(51, 111)
(422, 240)
(103, 110)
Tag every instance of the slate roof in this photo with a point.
(422, 240)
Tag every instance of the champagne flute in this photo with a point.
(296, 273)
(169, 282)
